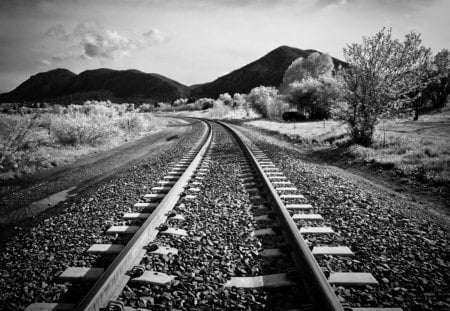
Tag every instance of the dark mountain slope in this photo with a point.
(48, 84)
(98, 84)
(268, 71)
(64, 86)
(129, 84)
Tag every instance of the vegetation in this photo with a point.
(32, 141)
(384, 73)
(314, 66)
(264, 100)
(313, 97)
(415, 149)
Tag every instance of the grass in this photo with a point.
(417, 149)
(35, 141)
(318, 132)
(221, 112)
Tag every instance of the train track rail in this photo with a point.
(276, 207)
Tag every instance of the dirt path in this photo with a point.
(420, 197)
(68, 182)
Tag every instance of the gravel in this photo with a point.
(220, 245)
(406, 251)
(30, 262)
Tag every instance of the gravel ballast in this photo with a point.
(219, 245)
(406, 251)
(30, 262)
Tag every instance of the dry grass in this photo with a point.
(221, 112)
(305, 132)
(37, 141)
(419, 149)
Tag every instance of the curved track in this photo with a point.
(275, 210)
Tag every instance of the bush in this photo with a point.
(20, 137)
(78, 129)
(132, 123)
(261, 98)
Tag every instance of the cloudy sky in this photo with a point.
(194, 41)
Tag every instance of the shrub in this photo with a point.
(261, 98)
(78, 128)
(132, 123)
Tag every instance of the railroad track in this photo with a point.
(192, 246)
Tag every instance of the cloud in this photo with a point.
(57, 32)
(93, 41)
(154, 36)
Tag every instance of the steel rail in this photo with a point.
(317, 286)
(114, 279)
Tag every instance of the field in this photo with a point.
(419, 149)
(44, 139)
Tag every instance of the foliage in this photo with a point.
(28, 141)
(179, 102)
(314, 66)
(204, 103)
(226, 98)
(439, 88)
(382, 74)
(313, 96)
(261, 98)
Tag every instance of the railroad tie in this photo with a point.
(316, 230)
(352, 278)
(47, 306)
(105, 249)
(80, 274)
(154, 278)
(122, 230)
(145, 205)
(332, 250)
(310, 217)
(291, 196)
(266, 281)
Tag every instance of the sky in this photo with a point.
(195, 41)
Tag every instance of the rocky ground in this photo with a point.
(396, 240)
(400, 244)
(220, 245)
(31, 261)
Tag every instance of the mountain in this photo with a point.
(48, 84)
(97, 84)
(267, 71)
(64, 86)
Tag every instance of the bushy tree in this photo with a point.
(226, 98)
(383, 72)
(204, 103)
(314, 66)
(179, 102)
(261, 97)
(313, 97)
(439, 88)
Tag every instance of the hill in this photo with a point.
(60, 84)
(48, 84)
(267, 71)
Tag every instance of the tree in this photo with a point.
(314, 66)
(313, 97)
(226, 98)
(438, 84)
(261, 97)
(439, 88)
(382, 74)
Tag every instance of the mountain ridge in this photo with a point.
(61, 84)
